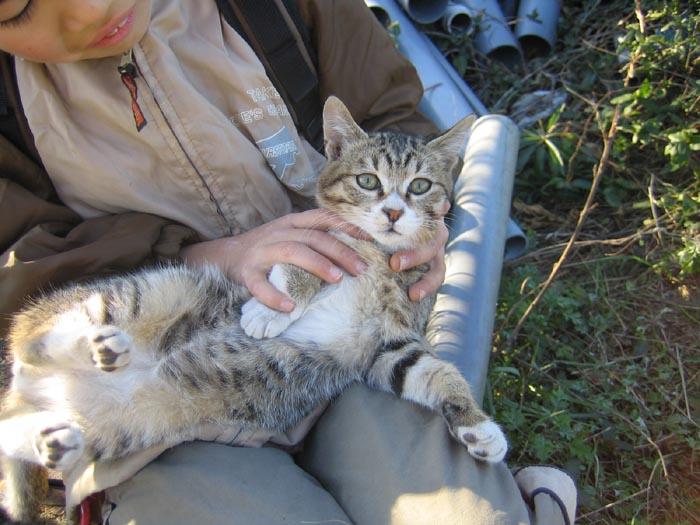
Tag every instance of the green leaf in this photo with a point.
(507, 370)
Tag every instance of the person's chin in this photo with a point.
(142, 18)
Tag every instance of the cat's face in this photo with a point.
(393, 186)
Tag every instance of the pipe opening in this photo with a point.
(509, 55)
(516, 246)
(381, 15)
(425, 11)
(534, 46)
(459, 23)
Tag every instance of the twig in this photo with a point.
(654, 210)
(684, 390)
(683, 386)
(592, 242)
(650, 441)
(600, 169)
(613, 504)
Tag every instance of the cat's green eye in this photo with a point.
(419, 186)
(367, 181)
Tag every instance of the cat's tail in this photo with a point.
(26, 485)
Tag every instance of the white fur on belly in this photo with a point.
(330, 316)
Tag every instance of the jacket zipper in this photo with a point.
(129, 72)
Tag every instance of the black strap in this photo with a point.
(13, 124)
(289, 59)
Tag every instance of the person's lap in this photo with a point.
(378, 459)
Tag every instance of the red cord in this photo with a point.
(85, 512)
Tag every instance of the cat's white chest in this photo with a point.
(331, 317)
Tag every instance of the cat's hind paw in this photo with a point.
(110, 348)
(484, 441)
(59, 446)
(259, 321)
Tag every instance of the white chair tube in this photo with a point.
(462, 322)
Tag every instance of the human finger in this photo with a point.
(332, 248)
(431, 281)
(446, 207)
(301, 255)
(320, 219)
(263, 291)
(404, 259)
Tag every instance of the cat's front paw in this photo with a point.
(110, 348)
(484, 441)
(259, 321)
(59, 446)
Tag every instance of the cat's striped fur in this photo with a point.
(113, 367)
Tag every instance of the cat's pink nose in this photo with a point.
(394, 215)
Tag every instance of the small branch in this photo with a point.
(683, 385)
(654, 209)
(613, 504)
(582, 218)
(592, 242)
(597, 176)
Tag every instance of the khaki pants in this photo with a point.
(371, 459)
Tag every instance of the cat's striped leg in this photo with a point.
(259, 321)
(409, 369)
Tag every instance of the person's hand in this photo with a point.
(301, 239)
(432, 253)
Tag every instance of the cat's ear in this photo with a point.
(453, 142)
(339, 128)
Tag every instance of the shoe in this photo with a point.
(556, 483)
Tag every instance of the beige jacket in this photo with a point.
(44, 243)
(204, 166)
(219, 152)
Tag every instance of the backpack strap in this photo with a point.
(13, 123)
(275, 31)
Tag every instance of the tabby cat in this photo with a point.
(106, 369)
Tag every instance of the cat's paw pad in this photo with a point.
(110, 348)
(484, 441)
(59, 446)
(259, 321)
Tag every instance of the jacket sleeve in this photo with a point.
(44, 244)
(358, 63)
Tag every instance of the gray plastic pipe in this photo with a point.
(509, 8)
(462, 322)
(457, 18)
(442, 102)
(424, 11)
(516, 240)
(537, 25)
(493, 37)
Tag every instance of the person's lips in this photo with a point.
(115, 31)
